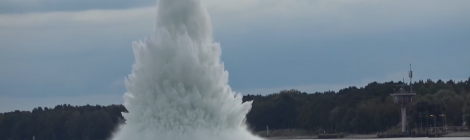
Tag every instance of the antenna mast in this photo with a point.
(411, 76)
(402, 89)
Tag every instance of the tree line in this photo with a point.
(63, 122)
(367, 109)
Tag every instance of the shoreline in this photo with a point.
(363, 136)
(457, 134)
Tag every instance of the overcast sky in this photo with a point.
(79, 51)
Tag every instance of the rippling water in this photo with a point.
(452, 138)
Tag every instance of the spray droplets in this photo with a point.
(178, 89)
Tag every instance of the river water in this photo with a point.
(448, 138)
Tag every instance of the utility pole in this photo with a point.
(444, 119)
(427, 121)
(435, 127)
(421, 117)
(432, 116)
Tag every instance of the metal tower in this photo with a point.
(402, 98)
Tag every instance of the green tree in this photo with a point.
(466, 111)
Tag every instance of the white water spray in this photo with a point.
(178, 89)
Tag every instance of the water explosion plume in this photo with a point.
(178, 88)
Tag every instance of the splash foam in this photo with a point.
(178, 88)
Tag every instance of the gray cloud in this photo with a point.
(312, 45)
(344, 61)
(63, 75)
(27, 6)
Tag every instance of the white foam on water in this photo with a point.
(178, 88)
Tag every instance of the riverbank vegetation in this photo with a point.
(367, 109)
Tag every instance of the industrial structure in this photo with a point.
(403, 97)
